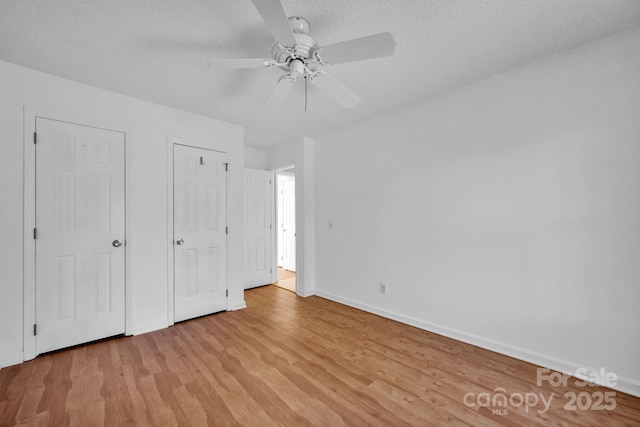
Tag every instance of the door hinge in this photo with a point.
(201, 160)
(226, 230)
(35, 138)
(226, 167)
(35, 329)
(227, 292)
(35, 233)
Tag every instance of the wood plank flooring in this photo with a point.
(288, 361)
(286, 279)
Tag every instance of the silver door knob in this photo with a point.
(116, 243)
(179, 242)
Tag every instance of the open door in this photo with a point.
(258, 221)
(200, 232)
(287, 220)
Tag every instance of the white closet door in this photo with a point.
(80, 220)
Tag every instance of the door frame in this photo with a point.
(206, 145)
(29, 218)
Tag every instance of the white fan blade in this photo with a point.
(280, 93)
(238, 63)
(336, 90)
(274, 16)
(374, 46)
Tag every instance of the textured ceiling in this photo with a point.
(157, 50)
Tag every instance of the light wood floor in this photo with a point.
(286, 279)
(287, 361)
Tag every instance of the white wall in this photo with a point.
(255, 158)
(301, 153)
(150, 126)
(506, 214)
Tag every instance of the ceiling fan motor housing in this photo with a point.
(304, 48)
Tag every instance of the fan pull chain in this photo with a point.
(306, 81)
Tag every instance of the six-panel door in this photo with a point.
(257, 228)
(80, 220)
(200, 239)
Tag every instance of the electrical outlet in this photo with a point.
(383, 288)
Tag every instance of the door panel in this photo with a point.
(280, 214)
(200, 240)
(289, 223)
(80, 211)
(258, 222)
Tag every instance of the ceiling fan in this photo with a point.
(298, 54)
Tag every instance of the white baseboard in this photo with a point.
(625, 385)
(237, 306)
(305, 293)
(11, 358)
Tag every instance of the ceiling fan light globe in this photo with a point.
(296, 68)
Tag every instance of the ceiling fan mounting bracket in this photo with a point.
(312, 74)
(317, 58)
(299, 25)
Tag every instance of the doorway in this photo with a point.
(286, 227)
